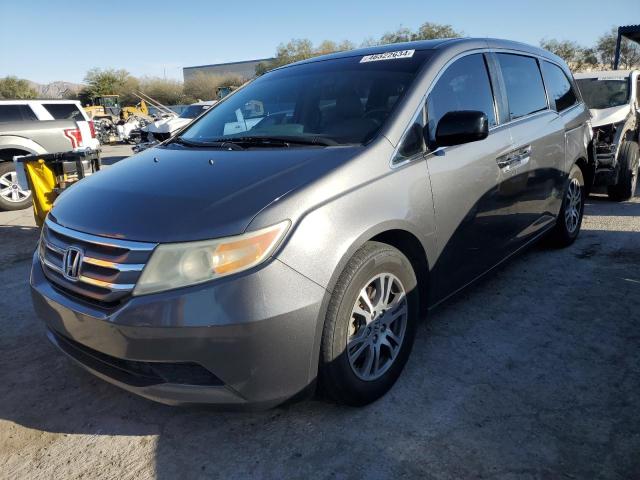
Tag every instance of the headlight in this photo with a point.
(174, 265)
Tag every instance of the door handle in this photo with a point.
(514, 159)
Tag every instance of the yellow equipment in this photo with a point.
(108, 107)
(49, 174)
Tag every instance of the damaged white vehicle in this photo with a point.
(161, 130)
(613, 98)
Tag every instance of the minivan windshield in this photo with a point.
(341, 101)
(600, 93)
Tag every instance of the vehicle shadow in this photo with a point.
(522, 374)
(608, 207)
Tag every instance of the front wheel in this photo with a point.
(370, 325)
(569, 219)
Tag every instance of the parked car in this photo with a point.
(241, 268)
(162, 129)
(613, 98)
(21, 135)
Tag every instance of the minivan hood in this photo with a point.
(610, 115)
(175, 194)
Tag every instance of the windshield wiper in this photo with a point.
(278, 141)
(208, 144)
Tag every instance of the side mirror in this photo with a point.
(463, 126)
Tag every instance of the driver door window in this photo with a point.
(464, 85)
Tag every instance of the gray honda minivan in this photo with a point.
(296, 232)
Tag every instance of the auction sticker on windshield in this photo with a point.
(387, 56)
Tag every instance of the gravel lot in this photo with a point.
(532, 373)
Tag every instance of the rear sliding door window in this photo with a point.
(463, 86)
(16, 113)
(64, 111)
(561, 92)
(523, 82)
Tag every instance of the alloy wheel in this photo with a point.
(573, 207)
(377, 326)
(10, 190)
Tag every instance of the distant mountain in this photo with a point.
(55, 89)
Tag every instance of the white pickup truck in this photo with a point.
(613, 98)
(37, 127)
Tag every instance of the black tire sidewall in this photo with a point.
(5, 205)
(629, 156)
(344, 384)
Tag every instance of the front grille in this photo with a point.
(108, 268)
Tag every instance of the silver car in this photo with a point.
(294, 234)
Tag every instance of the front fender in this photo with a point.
(325, 238)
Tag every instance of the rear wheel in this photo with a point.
(569, 219)
(628, 175)
(12, 197)
(370, 325)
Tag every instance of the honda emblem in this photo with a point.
(71, 263)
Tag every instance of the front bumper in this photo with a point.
(256, 334)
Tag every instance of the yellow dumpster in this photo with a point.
(49, 174)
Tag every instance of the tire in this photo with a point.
(345, 375)
(12, 197)
(569, 219)
(628, 175)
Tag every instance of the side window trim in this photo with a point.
(545, 86)
(499, 90)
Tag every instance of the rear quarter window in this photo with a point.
(523, 83)
(560, 90)
(64, 111)
(16, 113)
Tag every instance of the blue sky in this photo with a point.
(51, 40)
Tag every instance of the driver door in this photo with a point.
(473, 219)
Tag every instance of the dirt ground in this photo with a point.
(532, 373)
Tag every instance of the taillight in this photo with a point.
(92, 129)
(74, 135)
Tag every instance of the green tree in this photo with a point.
(426, 31)
(168, 92)
(110, 82)
(402, 34)
(605, 49)
(577, 57)
(14, 88)
(430, 31)
(301, 49)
